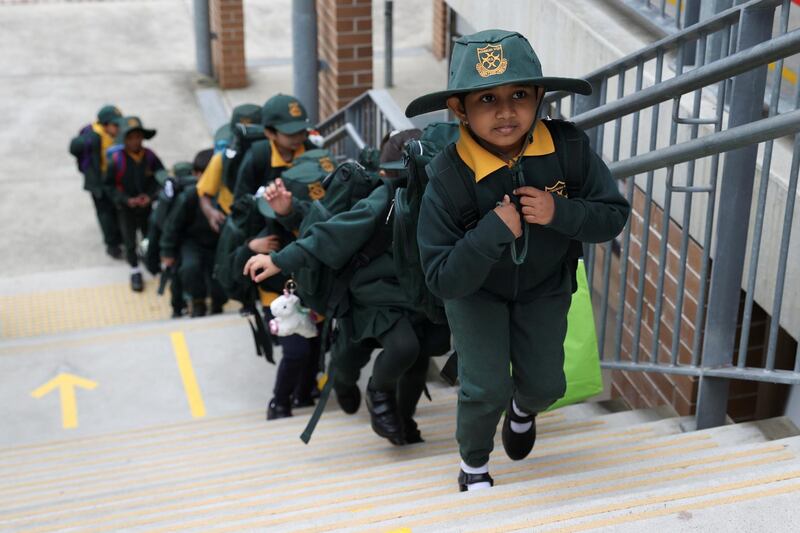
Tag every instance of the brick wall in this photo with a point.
(441, 29)
(227, 49)
(345, 45)
(747, 400)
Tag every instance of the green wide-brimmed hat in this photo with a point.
(285, 113)
(129, 124)
(488, 59)
(304, 179)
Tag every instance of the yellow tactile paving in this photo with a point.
(48, 312)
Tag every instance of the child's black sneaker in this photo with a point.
(198, 308)
(474, 481)
(518, 445)
(137, 283)
(349, 397)
(276, 410)
(411, 434)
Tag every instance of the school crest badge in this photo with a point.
(133, 123)
(326, 164)
(491, 61)
(294, 109)
(559, 188)
(316, 191)
(245, 120)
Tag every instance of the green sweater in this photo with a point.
(377, 300)
(460, 263)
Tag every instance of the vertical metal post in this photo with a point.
(736, 194)
(715, 50)
(202, 38)
(691, 16)
(304, 52)
(388, 68)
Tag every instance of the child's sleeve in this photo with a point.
(600, 212)
(456, 263)
(335, 241)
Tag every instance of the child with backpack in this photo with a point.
(232, 141)
(188, 245)
(505, 270)
(130, 183)
(286, 126)
(359, 240)
(89, 148)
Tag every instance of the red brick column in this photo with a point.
(227, 48)
(441, 29)
(345, 45)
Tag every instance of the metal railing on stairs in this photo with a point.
(363, 122)
(672, 303)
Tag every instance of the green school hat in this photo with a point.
(488, 59)
(285, 114)
(245, 114)
(129, 124)
(182, 169)
(108, 113)
(304, 179)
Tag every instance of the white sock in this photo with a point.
(518, 427)
(476, 470)
(136, 270)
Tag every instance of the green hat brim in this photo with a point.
(291, 128)
(438, 100)
(393, 165)
(148, 134)
(264, 208)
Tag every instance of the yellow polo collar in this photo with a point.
(277, 160)
(482, 162)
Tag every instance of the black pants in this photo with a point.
(297, 370)
(196, 267)
(107, 218)
(132, 219)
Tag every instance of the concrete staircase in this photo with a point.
(595, 466)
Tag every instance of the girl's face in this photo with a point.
(501, 116)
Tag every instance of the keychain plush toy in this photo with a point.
(291, 318)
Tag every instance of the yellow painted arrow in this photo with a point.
(66, 384)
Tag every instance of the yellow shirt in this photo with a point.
(482, 162)
(210, 184)
(106, 142)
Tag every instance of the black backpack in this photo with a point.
(243, 136)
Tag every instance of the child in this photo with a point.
(286, 127)
(380, 309)
(190, 242)
(90, 148)
(506, 306)
(131, 184)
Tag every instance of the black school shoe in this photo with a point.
(198, 308)
(411, 434)
(465, 480)
(518, 445)
(276, 410)
(349, 398)
(382, 407)
(302, 402)
(137, 283)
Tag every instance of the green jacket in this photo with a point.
(377, 300)
(459, 263)
(186, 221)
(125, 178)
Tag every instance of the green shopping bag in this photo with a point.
(581, 357)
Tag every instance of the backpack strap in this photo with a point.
(569, 149)
(261, 159)
(120, 165)
(455, 187)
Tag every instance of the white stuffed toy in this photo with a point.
(291, 318)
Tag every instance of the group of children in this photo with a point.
(504, 270)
